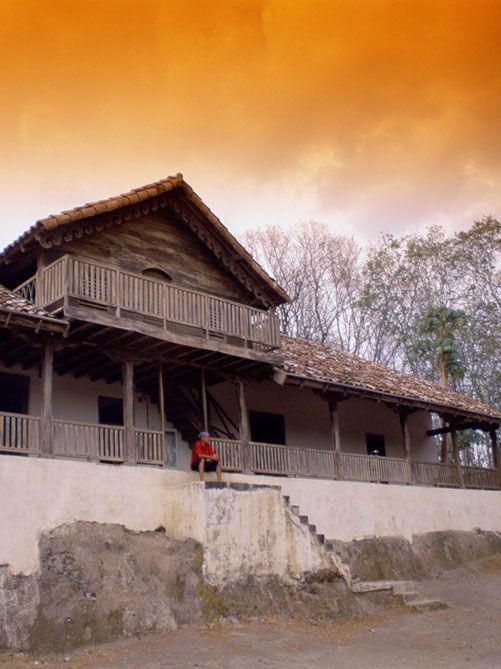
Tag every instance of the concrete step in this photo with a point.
(401, 587)
(426, 605)
(371, 586)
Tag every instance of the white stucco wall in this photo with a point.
(307, 423)
(38, 494)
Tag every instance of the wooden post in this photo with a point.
(203, 393)
(334, 421)
(161, 402)
(335, 435)
(244, 430)
(46, 419)
(161, 397)
(128, 393)
(455, 451)
(496, 460)
(406, 440)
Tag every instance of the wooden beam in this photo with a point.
(46, 419)
(244, 429)
(470, 425)
(128, 399)
(143, 328)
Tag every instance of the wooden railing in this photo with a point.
(163, 304)
(230, 452)
(27, 290)
(435, 473)
(149, 447)
(480, 477)
(88, 440)
(277, 459)
(373, 468)
(19, 433)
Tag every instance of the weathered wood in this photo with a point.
(435, 473)
(161, 397)
(46, 399)
(455, 453)
(159, 242)
(204, 409)
(373, 468)
(230, 452)
(244, 429)
(128, 402)
(19, 433)
(406, 441)
(496, 459)
(334, 425)
(166, 306)
(473, 425)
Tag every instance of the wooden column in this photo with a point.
(128, 392)
(334, 422)
(455, 451)
(496, 460)
(406, 441)
(244, 430)
(161, 399)
(203, 395)
(46, 419)
(335, 435)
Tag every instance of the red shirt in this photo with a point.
(200, 448)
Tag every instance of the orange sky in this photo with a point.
(368, 115)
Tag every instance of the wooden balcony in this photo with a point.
(87, 289)
(21, 435)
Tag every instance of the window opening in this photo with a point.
(267, 428)
(14, 393)
(111, 410)
(375, 444)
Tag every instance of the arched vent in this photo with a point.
(158, 274)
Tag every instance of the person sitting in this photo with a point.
(204, 458)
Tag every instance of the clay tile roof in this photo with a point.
(326, 364)
(136, 196)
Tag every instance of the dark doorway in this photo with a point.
(375, 444)
(111, 410)
(267, 428)
(14, 393)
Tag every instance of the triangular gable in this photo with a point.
(172, 194)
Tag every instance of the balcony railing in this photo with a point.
(166, 305)
(21, 434)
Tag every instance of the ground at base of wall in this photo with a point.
(462, 636)
(99, 582)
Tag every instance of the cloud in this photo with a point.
(371, 115)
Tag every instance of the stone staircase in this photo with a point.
(406, 591)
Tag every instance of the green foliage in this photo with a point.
(437, 332)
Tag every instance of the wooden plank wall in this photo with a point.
(156, 241)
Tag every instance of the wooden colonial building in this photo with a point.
(129, 324)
